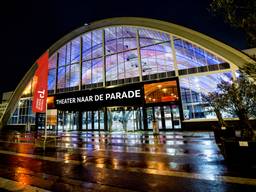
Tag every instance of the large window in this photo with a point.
(92, 64)
(23, 113)
(120, 56)
(194, 88)
(157, 59)
(189, 56)
(52, 72)
(129, 52)
(122, 60)
(68, 67)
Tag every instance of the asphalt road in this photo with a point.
(172, 161)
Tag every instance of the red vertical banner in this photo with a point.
(41, 85)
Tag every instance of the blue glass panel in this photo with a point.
(110, 33)
(52, 61)
(51, 79)
(126, 38)
(97, 50)
(68, 76)
(87, 46)
(97, 70)
(120, 39)
(131, 64)
(149, 37)
(75, 50)
(156, 59)
(87, 72)
(120, 66)
(62, 56)
(189, 55)
(111, 67)
(74, 79)
(61, 77)
(68, 53)
(110, 39)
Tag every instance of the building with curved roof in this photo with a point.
(127, 74)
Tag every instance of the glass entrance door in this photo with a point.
(167, 117)
(98, 120)
(158, 116)
(124, 119)
(67, 121)
(93, 120)
(176, 117)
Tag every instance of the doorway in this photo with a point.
(68, 120)
(93, 120)
(166, 116)
(127, 119)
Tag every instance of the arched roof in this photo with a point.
(224, 51)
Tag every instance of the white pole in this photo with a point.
(45, 126)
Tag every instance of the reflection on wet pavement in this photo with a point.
(88, 161)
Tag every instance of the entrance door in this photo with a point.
(98, 120)
(176, 117)
(93, 120)
(124, 118)
(86, 120)
(158, 116)
(67, 121)
(167, 117)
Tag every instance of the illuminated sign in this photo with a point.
(90, 99)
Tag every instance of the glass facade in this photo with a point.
(122, 54)
(23, 114)
(128, 54)
(114, 55)
(189, 56)
(194, 88)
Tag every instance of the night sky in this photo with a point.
(30, 27)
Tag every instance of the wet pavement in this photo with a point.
(87, 161)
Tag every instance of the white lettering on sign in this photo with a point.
(101, 97)
(40, 100)
(123, 95)
(66, 101)
(84, 99)
(98, 97)
(41, 94)
(137, 93)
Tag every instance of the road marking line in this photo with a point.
(11, 185)
(200, 176)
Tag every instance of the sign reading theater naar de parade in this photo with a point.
(108, 96)
(126, 95)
